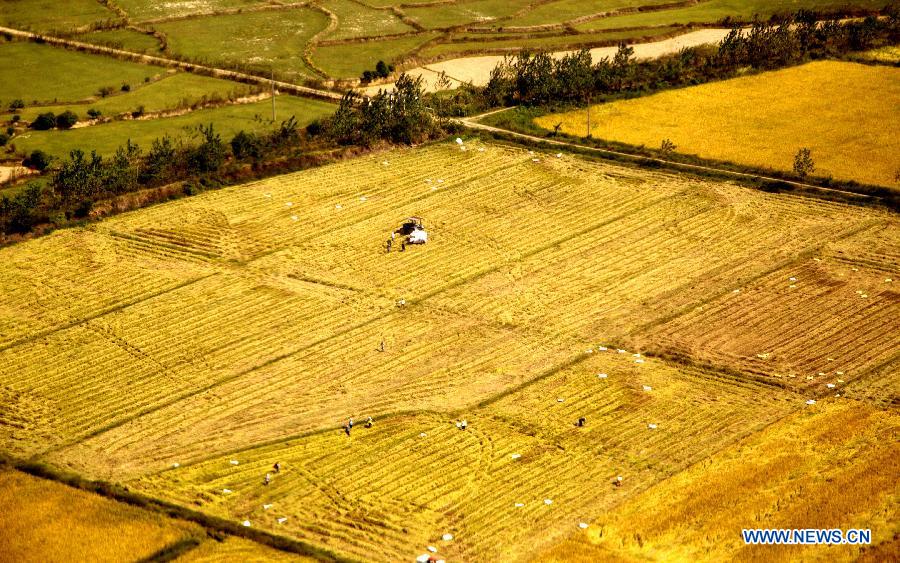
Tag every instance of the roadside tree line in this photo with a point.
(534, 79)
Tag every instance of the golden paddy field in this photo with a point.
(184, 349)
(847, 114)
(46, 521)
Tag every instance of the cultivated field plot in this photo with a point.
(77, 76)
(842, 451)
(47, 521)
(845, 113)
(410, 479)
(268, 39)
(105, 138)
(246, 324)
(170, 92)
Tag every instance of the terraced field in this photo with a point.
(244, 326)
(338, 39)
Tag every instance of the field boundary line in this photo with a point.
(209, 522)
(472, 123)
(103, 313)
(174, 550)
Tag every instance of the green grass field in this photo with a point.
(52, 16)
(713, 11)
(126, 39)
(260, 39)
(140, 10)
(356, 20)
(567, 10)
(174, 91)
(547, 42)
(228, 120)
(349, 60)
(33, 72)
(442, 16)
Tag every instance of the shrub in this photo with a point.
(44, 121)
(38, 159)
(246, 145)
(66, 119)
(126, 87)
(3, 139)
(94, 113)
(105, 91)
(16, 104)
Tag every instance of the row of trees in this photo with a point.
(539, 79)
(399, 116)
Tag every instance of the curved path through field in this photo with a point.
(477, 70)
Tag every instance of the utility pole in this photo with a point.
(273, 95)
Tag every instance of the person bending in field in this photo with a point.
(268, 479)
(369, 422)
(580, 422)
(347, 430)
(390, 243)
(277, 467)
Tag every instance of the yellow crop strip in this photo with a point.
(46, 521)
(848, 114)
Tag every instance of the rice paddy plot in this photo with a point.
(248, 324)
(174, 91)
(845, 113)
(390, 490)
(431, 360)
(46, 521)
(49, 17)
(559, 11)
(142, 10)
(170, 345)
(715, 11)
(806, 325)
(76, 76)
(261, 40)
(227, 121)
(63, 279)
(350, 59)
(357, 20)
(829, 466)
(479, 11)
(125, 39)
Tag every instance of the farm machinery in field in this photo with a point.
(412, 231)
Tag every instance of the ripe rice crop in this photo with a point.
(733, 120)
(249, 323)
